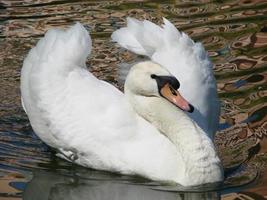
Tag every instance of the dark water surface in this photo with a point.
(233, 32)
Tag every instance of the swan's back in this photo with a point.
(184, 58)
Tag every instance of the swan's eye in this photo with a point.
(173, 91)
(175, 83)
(162, 80)
(153, 76)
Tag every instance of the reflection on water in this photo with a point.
(54, 186)
(234, 33)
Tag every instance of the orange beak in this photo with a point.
(173, 96)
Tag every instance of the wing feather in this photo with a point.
(62, 98)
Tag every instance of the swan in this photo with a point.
(145, 131)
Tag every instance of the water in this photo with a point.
(233, 32)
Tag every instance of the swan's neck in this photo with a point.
(196, 149)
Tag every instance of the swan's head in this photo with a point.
(149, 79)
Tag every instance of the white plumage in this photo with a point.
(73, 111)
(186, 60)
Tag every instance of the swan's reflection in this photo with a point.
(52, 186)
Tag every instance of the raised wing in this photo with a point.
(65, 103)
(184, 58)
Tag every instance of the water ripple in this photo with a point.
(234, 33)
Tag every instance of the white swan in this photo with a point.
(186, 60)
(73, 111)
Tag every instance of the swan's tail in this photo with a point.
(145, 37)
